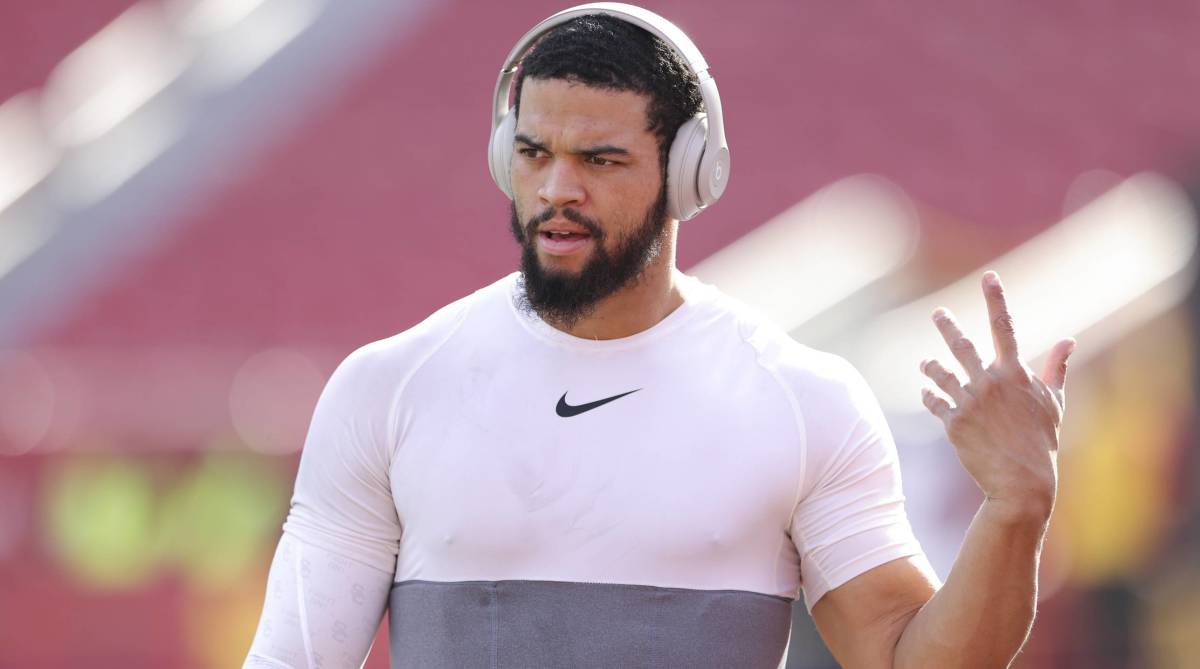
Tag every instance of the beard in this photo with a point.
(565, 298)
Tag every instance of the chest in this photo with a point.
(553, 463)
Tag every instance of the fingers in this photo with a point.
(1054, 374)
(945, 380)
(1003, 335)
(936, 405)
(962, 348)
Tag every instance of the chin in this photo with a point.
(561, 265)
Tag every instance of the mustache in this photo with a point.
(571, 215)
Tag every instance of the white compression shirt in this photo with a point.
(516, 496)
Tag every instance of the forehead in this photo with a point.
(554, 109)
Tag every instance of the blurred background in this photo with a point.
(206, 204)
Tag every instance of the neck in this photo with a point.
(636, 307)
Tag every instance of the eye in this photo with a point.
(530, 152)
(601, 162)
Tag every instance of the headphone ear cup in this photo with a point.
(683, 193)
(500, 153)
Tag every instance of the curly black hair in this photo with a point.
(606, 52)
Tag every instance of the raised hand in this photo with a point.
(1004, 420)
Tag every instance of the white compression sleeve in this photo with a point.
(321, 610)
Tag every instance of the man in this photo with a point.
(601, 462)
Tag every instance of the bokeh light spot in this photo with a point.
(219, 521)
(100, 521)
(26, 403)
(272, 398)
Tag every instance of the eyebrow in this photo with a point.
(603, 149)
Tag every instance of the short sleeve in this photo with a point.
(850, 517)
(342, 502)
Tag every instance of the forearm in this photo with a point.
(320, 610)
(982, 615)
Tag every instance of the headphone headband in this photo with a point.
(675, 38)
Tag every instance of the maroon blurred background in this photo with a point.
(167, 346)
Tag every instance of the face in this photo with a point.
(589, 207)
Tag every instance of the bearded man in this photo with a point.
(599, 461)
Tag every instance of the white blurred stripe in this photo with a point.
(235, 41)
(207, 17)
(819, 252)
(87, 177)
(26, 157)
(21, 237)
(147, 116)
(113, 74)
(1101, 272)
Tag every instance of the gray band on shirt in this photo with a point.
(524, 624)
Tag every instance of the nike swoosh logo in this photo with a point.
(566, 410)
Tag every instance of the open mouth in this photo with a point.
(562, 242)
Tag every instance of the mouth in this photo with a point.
(562, 239)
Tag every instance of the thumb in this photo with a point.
(1055, 371)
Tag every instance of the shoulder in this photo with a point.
(390, 361)
(811, 375)
(832, 404)
(825, 383)
(832, 399)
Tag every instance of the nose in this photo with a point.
(562, 186)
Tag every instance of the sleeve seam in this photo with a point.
(394, 408)
(861, 565)
(797, 416)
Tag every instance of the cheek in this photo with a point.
(629, 199)
(525, 209)
(524, 189)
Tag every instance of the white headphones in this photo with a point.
(698, 164)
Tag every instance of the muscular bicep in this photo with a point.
(343, 499)
(862, 619)
(321, 610)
